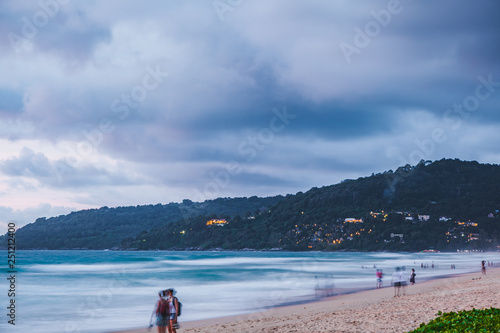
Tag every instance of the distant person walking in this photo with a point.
(412, 276)
(379, 276)
(483, 267)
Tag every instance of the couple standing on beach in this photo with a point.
(166, 310)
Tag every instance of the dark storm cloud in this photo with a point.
(229, 51)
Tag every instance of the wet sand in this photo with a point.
(366, 311)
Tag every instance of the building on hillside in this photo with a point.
(474, 236)
(353, 220)
(382, 215)
(217, 222)
(467, 224)
(424, 217)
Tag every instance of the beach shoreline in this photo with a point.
(372, 310)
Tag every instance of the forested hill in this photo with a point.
(454, 188)
(446, 205)
(106, 228)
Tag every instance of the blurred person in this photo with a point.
(173, 306)
(403, 279)
(379, 276)
(161, 313)
(396, 281)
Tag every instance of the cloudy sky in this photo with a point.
(117, 103)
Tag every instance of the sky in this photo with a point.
(123, 103)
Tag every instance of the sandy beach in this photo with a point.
(366, 311)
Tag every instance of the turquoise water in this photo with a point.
(102, 291)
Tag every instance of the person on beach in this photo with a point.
(412, 276)
(173, 306)
(379, 275)
(396, 281)
(483, 267)
(403, 280)
(161, 313)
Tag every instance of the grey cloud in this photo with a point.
(69, 172)
(65, 175)
(51, 27)
(22, 217)
(28, 164)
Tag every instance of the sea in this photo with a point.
(105, 291)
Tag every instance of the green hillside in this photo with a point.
(462, 194)
(106, 228)
(446, 205)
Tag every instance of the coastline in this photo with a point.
(372, 310)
